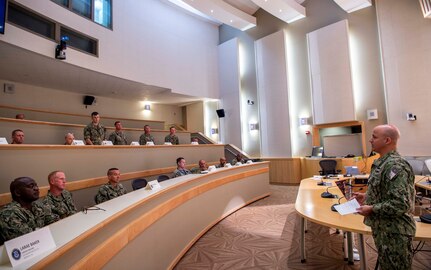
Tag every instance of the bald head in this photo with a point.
(384, 139)
(390, 131)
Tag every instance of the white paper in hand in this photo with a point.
(348, 207)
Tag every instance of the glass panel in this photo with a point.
(31, 21)
(79, 41)
(102, 12)
(62, 2)
(82, 7)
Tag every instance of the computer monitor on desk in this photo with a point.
(351, 170)
(317, 151)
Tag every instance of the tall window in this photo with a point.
(102, 12)
(82, 7)
(99, 11)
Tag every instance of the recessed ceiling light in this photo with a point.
(280, 10)
(212, 11)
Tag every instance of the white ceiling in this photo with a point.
(22, 66)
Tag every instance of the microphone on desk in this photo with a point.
(327, 194)
(333, 206)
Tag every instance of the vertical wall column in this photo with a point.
(331, 80)
(230, 86)
(272, 80)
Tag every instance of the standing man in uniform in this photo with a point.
(389, 201)
(146, 136)
(94, 133)
(118, 137)
(171, 137)
(58, 198)
(25, 213)
(112, 189)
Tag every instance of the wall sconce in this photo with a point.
(254, 126)
(303, 121)
(147, 107)
(214, 131)
(250, 102)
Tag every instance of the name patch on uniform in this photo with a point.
(28, 246)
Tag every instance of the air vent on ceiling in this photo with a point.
(426, 8)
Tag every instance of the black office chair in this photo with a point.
(162, 177)
(328, 167)
(139, 183)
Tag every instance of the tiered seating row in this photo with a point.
(38, 132)
(92, 162)
(49, 116)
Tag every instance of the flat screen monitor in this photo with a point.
(2, 15)
(317, 151)
(343, 145)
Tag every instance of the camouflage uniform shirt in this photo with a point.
(108, 192)
(16, 220)
(172, 139)
(391, 193)
(181, 172)
(118, 138)
(95, 133)
(146, 138)
(62, 205)
(235, 161)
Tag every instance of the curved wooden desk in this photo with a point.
(311, 206)
(151, 229)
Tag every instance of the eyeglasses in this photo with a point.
(89, 208)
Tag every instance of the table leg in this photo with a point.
(302, 240)
(362, 252)
(349, 248)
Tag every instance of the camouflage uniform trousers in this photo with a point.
(143, 139)
(16, 220)
(95, 133)
(395, 251)
(108, 192)
(62, 205)
(118, 138)
(172, 139)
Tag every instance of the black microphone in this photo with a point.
(333, 206)
(328, 195)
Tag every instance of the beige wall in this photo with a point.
(195, 117)
(320, 13)
(51, 99)
(406, 49)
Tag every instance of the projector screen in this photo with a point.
(342, 145)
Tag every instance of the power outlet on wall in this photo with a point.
(9, 88)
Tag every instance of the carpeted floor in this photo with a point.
(265, 235)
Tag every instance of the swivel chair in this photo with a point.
(139, 183)
(328, 167)
(162, 177)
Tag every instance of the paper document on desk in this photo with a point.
(348, 207)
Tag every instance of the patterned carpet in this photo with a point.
(265, 235)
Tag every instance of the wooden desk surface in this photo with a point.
(140, 226)
(421, 181)
(310, 205)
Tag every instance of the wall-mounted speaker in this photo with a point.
(88, 100)
(220, 113)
